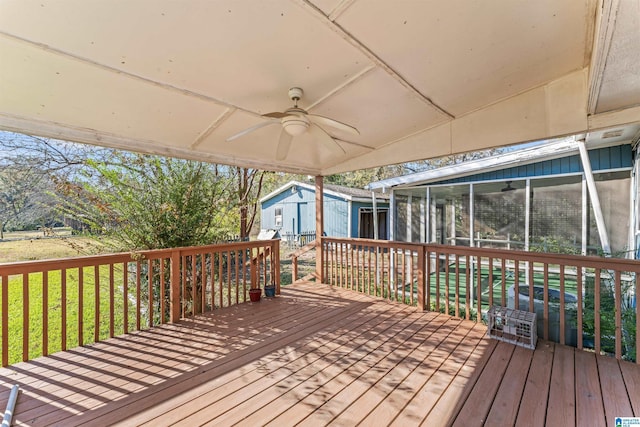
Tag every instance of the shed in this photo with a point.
(348, 212)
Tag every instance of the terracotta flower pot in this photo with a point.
(254, 295)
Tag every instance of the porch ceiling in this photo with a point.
(418, 79)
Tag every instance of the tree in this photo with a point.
(150, 202)
(24, 197)
(249, 185)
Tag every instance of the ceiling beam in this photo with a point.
(319, 14)
(606, 15)
(65, 132)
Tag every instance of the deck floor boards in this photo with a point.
(320, 355)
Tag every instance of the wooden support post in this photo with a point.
(174, 290)
(276, 263)
(319, 227)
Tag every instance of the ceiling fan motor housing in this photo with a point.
(295, 93)
(295, 125)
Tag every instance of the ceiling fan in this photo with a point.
(295, 121)
(508, 187)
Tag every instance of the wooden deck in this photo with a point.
(316, 356)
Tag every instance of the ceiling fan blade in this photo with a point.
(333, 123)
(355, 144)
(275, 115)
(248, 130)
(283, 145)
(323, 137)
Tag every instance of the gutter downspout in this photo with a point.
(375, 215)
(595, 200)
(11, 405)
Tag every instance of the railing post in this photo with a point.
(319, 228)
(174, 290)
(421, 278)
(276, 261)
(294, 269)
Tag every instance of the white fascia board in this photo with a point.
(312, 188)
(527, 155)
(281, 189)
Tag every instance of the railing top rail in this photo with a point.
(306, 248)
(23, 267)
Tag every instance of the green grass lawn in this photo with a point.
(54, 309)
(29, 246)
(50, 248)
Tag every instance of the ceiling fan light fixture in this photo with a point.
(295, 125)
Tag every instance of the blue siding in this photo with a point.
(299, 210)
(620, 156)
(355, 214)
(299, 213)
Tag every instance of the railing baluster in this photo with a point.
(125, 297)
(174, 288)
(80, 306)
(531, 281)
(411, 275)
(150, 290)
(138, 292)
(254, 275)
(579, 287)
(516, 284)
(446, 284)
(342, 266)
(562, 302)
(478, 285)
(25, 317)
(437, 259)
(63, 308)
(467, 281)
(96, 303)
(5, 320)
(503, 283)
(352, 266)
(264, 264)
(618, 309)
(183, 281)
(111, 301)
(244, 278)
(637, 294)
(237, 277)
(427, 277)
(45, 313)
(163, 291)
(457, 282)
(546, 302)
(212, 278)
(596, 311)
(194, 285)
(490, 281)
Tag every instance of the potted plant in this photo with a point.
(254, 294)
(270, 290)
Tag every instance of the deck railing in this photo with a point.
(53, 305)
(586, 302)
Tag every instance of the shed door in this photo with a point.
(303, 219)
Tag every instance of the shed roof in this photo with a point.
(341, 191)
